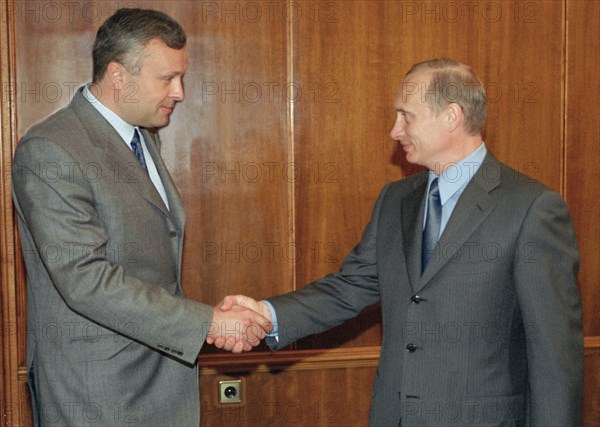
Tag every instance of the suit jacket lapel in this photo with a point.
(175, 203)
(472, 208)
(120, 160)
(412, 229)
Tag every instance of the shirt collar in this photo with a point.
(124, 129)
(459, 174)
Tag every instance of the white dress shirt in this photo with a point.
(125, 131)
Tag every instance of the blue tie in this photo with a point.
(136, 145)
(432, 223)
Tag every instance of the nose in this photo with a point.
(397, 131)
(177, 92)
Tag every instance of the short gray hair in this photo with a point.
(453, 81)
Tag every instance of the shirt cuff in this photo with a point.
(275, 332)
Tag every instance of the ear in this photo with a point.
(454, 116)
(115, 72)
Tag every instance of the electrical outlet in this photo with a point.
(230, 391)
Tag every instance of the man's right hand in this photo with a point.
(232, 300)
(238, 324)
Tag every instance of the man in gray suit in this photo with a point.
(111, 340)
(475, 267)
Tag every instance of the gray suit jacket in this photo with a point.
(110, 339)
(490, 334)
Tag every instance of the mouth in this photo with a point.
(166, 110)
(407, 146)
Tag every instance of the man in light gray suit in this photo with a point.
(475, 267)
(111, 340)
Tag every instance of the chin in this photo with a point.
(161, 124)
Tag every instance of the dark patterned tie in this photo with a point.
(432, 223)
(136, 145)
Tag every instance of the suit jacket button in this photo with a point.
(173, 234)
(411, 348)
(417, 299)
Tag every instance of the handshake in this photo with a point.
(239, 324)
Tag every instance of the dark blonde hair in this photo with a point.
(124, 35)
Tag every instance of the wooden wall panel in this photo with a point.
(11, 336)
(357, 54)
(334, 399)
(590, 416)
(582, 189)
(228, 152)
(583, 155)
(300, 388)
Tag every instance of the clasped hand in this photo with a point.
(239, 324)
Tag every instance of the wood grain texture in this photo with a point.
(11, 329)
(322, 397)
(591, 387)
(582, 153)
(296, 360)
(227, 149)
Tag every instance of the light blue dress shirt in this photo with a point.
(452, 183)
(125, 131)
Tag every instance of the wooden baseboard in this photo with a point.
(293, 360)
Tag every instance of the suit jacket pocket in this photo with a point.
(103, 347)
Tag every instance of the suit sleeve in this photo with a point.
(545, 276)
(57, 208)
(338, 297)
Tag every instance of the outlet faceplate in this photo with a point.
(230, 391)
